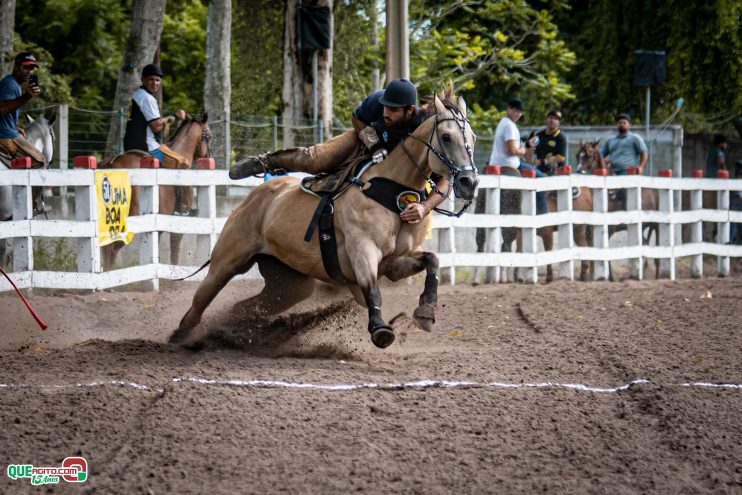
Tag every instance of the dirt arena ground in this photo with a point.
(629, 387)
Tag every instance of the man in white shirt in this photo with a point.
(145, 124)
(507, 150)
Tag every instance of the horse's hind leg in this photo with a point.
(220, 273)
(407, 266)
(284, 287)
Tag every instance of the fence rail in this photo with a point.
(449, 233)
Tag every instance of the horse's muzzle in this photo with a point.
(466, 184)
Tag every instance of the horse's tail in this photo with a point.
(192, 274)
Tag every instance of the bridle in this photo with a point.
(442, 155)
(581, 158)
(205, 138)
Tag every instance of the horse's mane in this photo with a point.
(36, 128)
(447, 97)
(181, 126)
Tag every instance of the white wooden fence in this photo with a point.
(207, 226)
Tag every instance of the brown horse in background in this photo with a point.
(588, 159)
(191, 140)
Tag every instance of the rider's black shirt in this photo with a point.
(371, 112)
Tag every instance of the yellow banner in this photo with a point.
(113, 192)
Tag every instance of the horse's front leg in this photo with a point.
(407, 266)
(365, 261)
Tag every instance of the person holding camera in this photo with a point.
(13, 143)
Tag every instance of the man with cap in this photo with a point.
(551, 146)
(12, 97)
(145, 124)
(380, 123)
(509, 154)
(624, 150)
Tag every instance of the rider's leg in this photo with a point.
(321, 157)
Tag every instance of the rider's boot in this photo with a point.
(254, 165)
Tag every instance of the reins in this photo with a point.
(443, 157)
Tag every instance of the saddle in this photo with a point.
(173, 159)
(336, 183)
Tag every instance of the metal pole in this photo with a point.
(397, 40)
(646, 123)
(275, 133)
(315, 102)
(227, 138)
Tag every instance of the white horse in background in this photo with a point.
(40, 133)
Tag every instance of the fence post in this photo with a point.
(600, 232)
(206, 201)
(565, 230)
(696, 228)
(635, 230)
(22, 210)
(275, 133)
(88, 251)
(61, 150)
(149, 242)
(666, 229)
(528, 234)
(722, 228)
(493, 239)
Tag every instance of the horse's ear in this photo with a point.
(51, 117)
(439, 107)
(595, 143)
(462, 105)
(204, 118)
(30, 119)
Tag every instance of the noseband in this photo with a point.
(453, 169)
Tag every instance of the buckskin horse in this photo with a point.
(191, 140)
(267, 228)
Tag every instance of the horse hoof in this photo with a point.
(382, 337)
(425, 317)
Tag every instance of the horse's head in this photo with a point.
(452, 146)
(192, 137)
(40, 133)
(588, 156)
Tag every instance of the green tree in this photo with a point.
(491, 50)
(704, 59)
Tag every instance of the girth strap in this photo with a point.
(323, 216)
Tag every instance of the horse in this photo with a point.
(588, 159)
(268, 227)
(40, 133)
(191, 140)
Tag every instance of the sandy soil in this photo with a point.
(154, 418)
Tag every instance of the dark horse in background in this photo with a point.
(40, 133)
(191, 140)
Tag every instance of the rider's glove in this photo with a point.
(379, 155)
(369, 137)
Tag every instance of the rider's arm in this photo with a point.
(720, 161)
(514, 150)
(10, 106)
(417, 211)
(643, 157)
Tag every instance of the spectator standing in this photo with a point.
(551, 145)
(624, 150)
(715, 160)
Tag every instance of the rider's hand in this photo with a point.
(414, 212)
(369, 137)
(21, 131)
(379, 155)
(33, 90)
(180, 114)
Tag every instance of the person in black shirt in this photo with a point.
(552, 146)
(381, 121)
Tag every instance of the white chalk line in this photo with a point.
(414, 385)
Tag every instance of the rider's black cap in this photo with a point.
(517, 104)
(26, 59)
(624, 116)
(151, 70)
(556, 113)
(399, 93)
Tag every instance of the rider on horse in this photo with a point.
(13, 142)
(380, 123)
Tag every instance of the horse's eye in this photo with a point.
(446, 138)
